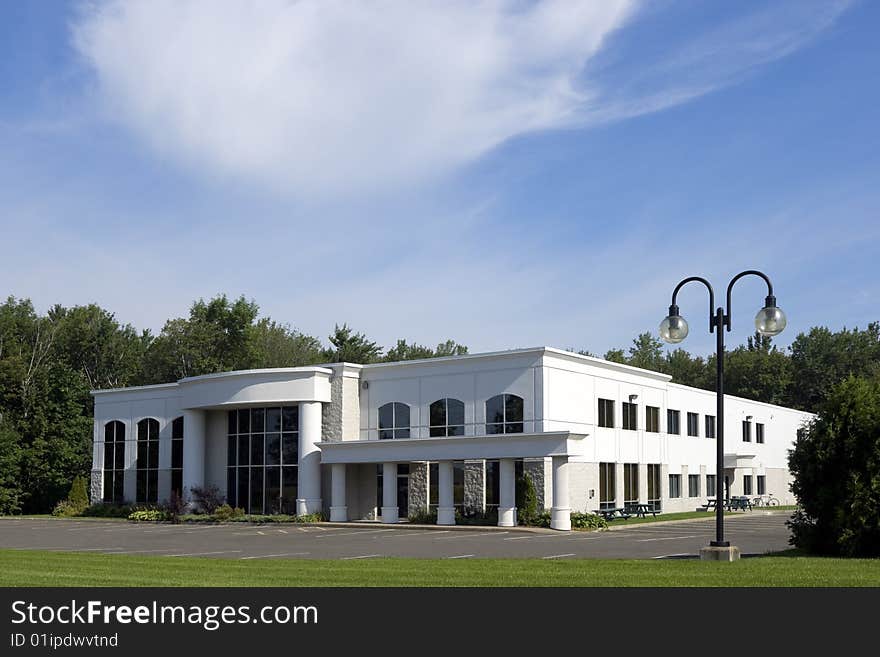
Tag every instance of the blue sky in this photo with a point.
(505, 174)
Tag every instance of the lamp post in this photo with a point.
(769, 321)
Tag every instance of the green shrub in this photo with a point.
(103, 510)
(835, 469)
(423, 517)
(588, 521)
(469, 516)
(77, 500)
(64, 509)
(149, 515)
(310, 517)
(207, 499)
(526, 500)
(225, 512)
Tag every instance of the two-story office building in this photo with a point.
(382, 441)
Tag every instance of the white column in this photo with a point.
(389, 492)
(308, 495)
(507, 490)
(560, 514)
(338, 509)
(446, 506)
(193, 452)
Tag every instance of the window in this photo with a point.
(652, 419)
(710, 485)
(673, 422)
(177, 456)
(693, 420)
(630, 483)
(607, 489)
(114, 462)
(630, 416)
(262, 458)
(147, 464)
(393, 421)
(759, 433)
(446, 417)
(710, 426)
(747, 431)
(606, 413)
(674, 485)
(504, 414)
(493, 484)
(762, 484)
(434, 485)
(693, 485)
(654, 494)
(747, 484)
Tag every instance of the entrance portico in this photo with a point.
(505, 448)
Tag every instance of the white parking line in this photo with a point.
(677, 554)
(517, 538)
(121, 551)
(464, 535)
(363, 556)
(461, 556)
(559, 556)
(357, 533)
(667, 538)
(202, 554)
(269, 556)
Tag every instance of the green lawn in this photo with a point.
(36, 568)
(687, 515)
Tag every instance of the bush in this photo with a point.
(149, 515)
(476, 517)
(77, 499)
(588, 521)
(310, 517)
(526, 500)
(225, 512)
(541, 519)
(105, 510)
(175, 506)
(835, 468)
(207, 498)
(423, 517)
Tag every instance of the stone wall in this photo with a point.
(475, 485)
(538, 472)
(417, 491)
(96, 487)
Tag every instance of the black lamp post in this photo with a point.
(770, 321)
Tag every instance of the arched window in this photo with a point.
(393, 421)
(177, 456)
(446, 417)
(147, 464)
(504, 414)
(114, 462)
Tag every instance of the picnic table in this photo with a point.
(737, 503)
(612, 513)
(641, 510)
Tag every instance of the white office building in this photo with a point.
(384, 441)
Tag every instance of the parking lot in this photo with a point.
(753, 532)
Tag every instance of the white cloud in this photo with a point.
(319, 96)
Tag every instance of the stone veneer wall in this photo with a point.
(475, 485)
(417, 491)
(96, 487)
(537, 470)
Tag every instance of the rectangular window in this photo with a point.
(673, 422)
(654, 493)
(607, 487)
(674, 485)
(747, 431)
(693, 424)
(759, 433)
(693, 485)
(606, 413)
(630, 416)
(747, 484)
(630, 483)
(652, 419)
(710, 426)
(710, 486)
(762, 484)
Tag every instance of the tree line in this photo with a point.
(49, 363)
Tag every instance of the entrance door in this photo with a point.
(403, 489)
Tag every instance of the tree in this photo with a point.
(351, 347)
(278, 345)
(835, 467)
(688, 370)
(615, 356)
(404, 351)
(10, 465)
(647, 353)
(758, 371)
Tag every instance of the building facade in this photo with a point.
(389, 440)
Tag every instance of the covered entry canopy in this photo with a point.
(454, 448)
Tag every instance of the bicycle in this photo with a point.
(765, 500)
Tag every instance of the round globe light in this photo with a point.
(770, 320)
(673, 329)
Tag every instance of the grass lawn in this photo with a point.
(687, 515)
(41, 568)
